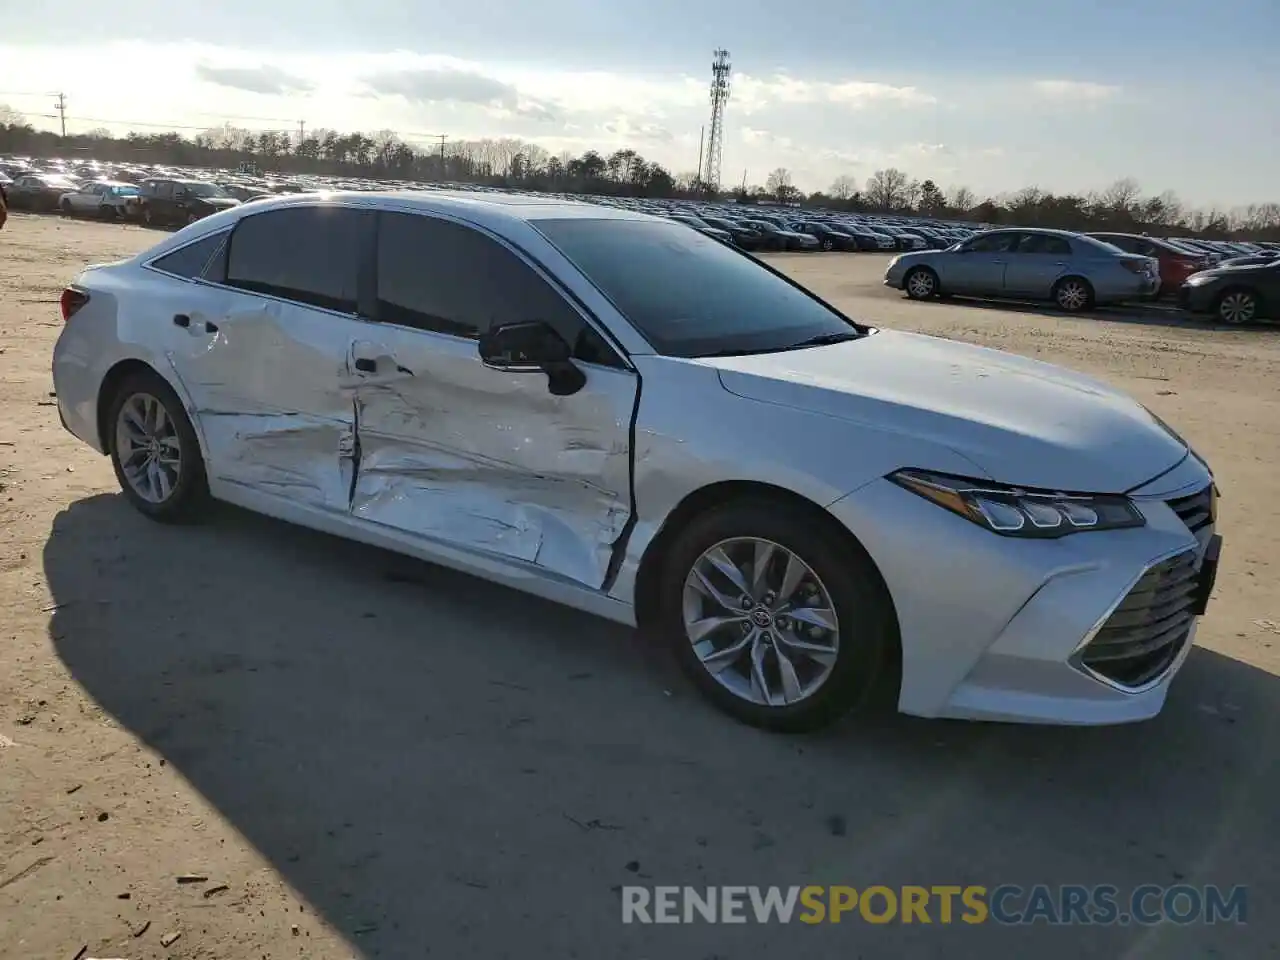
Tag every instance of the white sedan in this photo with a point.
(102, 198)
(615, 412)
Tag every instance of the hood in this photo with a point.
(1019, 421)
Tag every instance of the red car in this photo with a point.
(1176, 263)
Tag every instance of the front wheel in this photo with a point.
(1073, 294)
(65, 207)
(106, 212)
(1237, 307)
(921, 284)
(154, 450)
(828, 246)
(775, 619)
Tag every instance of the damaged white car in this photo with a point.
(613, 411)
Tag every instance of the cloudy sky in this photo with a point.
(991, 94)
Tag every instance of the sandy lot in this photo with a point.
(369, 757)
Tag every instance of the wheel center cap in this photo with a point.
(762, 618)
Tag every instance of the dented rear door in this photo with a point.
(264, 357)
(478, 458)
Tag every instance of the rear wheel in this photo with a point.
(65, 207)
(828, 245)
(148, 217)
(1237, 307)
(154, 450)
(921, 283)
(1073, 294)
(192, 218)
(107, 212)
(774, 619)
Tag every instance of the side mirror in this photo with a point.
(531, 346)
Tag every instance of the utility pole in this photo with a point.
(302, 130)
(61, 106)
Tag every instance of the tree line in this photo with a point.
(515, 163)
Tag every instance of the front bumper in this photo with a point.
(1197, 298)
(994, 628)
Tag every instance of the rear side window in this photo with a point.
(204, 258)
(307, 254)
(1045, 244)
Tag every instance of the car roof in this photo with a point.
(478, 207)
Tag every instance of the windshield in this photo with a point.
(688, 294)
(204, 190)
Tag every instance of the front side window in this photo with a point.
(446, 277)
(993, 243)
(307, 254)
(1044, 243)
(690, 295)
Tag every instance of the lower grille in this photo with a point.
(1145, 634)
(1197, 511)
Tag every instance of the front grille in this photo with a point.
(1198, 510)
(1144, 635)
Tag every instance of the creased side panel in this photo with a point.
(269, 386)
(493, 462)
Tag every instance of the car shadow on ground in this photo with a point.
(1159, 314)
(435, 761)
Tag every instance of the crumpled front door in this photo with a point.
(491, 461)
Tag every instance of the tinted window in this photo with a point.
(689, 294)
(994, 243)
(308, 254)
(190, 261)
(448, 278)
(1044, 243)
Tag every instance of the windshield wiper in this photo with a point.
(824, 339)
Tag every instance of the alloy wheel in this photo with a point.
(1237, 308)
(148, 447)
(920, 284)
(1072, 295)
(760, 621)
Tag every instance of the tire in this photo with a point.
(844, 581)
(192, 218)
(920, 283)
(828, 246)
(1237, 307)
(187, 495)
(65, 207)
(1073, 294)
(106, 212)
(148, 217)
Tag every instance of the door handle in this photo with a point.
(366, 364)
(181, 320)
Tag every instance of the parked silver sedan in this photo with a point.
(570, 400)
(1074, 271)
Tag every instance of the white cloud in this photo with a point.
(753, 94)
(1075, 91)
(267, 80)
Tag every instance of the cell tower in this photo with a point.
(720, 67)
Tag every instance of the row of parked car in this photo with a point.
(1080, 271)
(1077, 271)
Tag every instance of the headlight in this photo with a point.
(893, 263)
(1017, 512)
(1199, 279)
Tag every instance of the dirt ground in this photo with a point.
(363, 756)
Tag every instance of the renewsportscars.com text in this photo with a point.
(1066, 904)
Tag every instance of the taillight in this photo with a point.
(71, 301)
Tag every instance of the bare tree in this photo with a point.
(1121, 197)
(779, 183)
(888, 189)
(962, 199)
(10, 117)
(844, 187)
